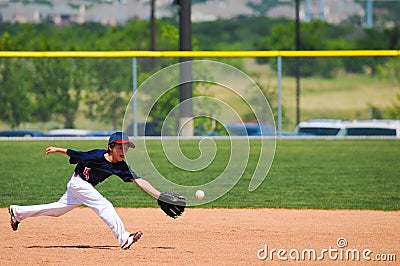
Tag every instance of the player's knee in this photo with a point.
(108, 204)
(104, 206)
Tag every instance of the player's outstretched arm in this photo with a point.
(147, 187)
(56, 149)
(172, 204)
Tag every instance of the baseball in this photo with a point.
(199, 194)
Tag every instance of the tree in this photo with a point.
(58, 87)
(271, 94)
(393, 69)
(262, 8)
(108, 90)
(14, 96)
(315, 35)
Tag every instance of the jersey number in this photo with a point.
(86, 173)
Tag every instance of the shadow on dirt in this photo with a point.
(77, 247)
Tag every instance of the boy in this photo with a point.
(92, 167)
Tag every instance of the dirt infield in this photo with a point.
(207, 237)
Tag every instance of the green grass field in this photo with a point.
(317, 174)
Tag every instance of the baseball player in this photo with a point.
(93, 167)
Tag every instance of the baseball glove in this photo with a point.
(172, 204)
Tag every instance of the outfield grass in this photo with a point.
(320, 174)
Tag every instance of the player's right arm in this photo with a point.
(56, 149)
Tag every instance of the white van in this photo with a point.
(320, 127)
(383, 127)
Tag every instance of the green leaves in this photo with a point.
(56, 89)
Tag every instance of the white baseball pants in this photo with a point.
(78, 192)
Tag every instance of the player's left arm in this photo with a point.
(146, 186)
(172, 204)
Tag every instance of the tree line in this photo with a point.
(54, 89)
(46, 89)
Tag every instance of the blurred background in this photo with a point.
(44, 95)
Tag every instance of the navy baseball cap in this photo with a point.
(120, 138)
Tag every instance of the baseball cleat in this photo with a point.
(13, 221)
(132, 239)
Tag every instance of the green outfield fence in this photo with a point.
(330, 82)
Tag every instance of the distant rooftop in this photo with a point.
(120, 11)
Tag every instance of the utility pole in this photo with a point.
(152, 32)
(152, 26)
(185, 70)
(369, 11)
(297, 63)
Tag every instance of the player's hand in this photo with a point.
(55, 149)
(51, 150)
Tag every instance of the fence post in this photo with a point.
(279, 71)
(134, 85)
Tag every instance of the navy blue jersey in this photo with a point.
(94, 168)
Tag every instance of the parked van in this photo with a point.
(384, 127)
(320, 127)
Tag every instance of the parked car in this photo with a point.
(21, 133)
(251, 129)
(101, 133)
(320, 127)
(144, 129)
(68, 132)
(384, 127)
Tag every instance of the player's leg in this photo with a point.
(54, 209)
(90, 197)
(66, 203)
